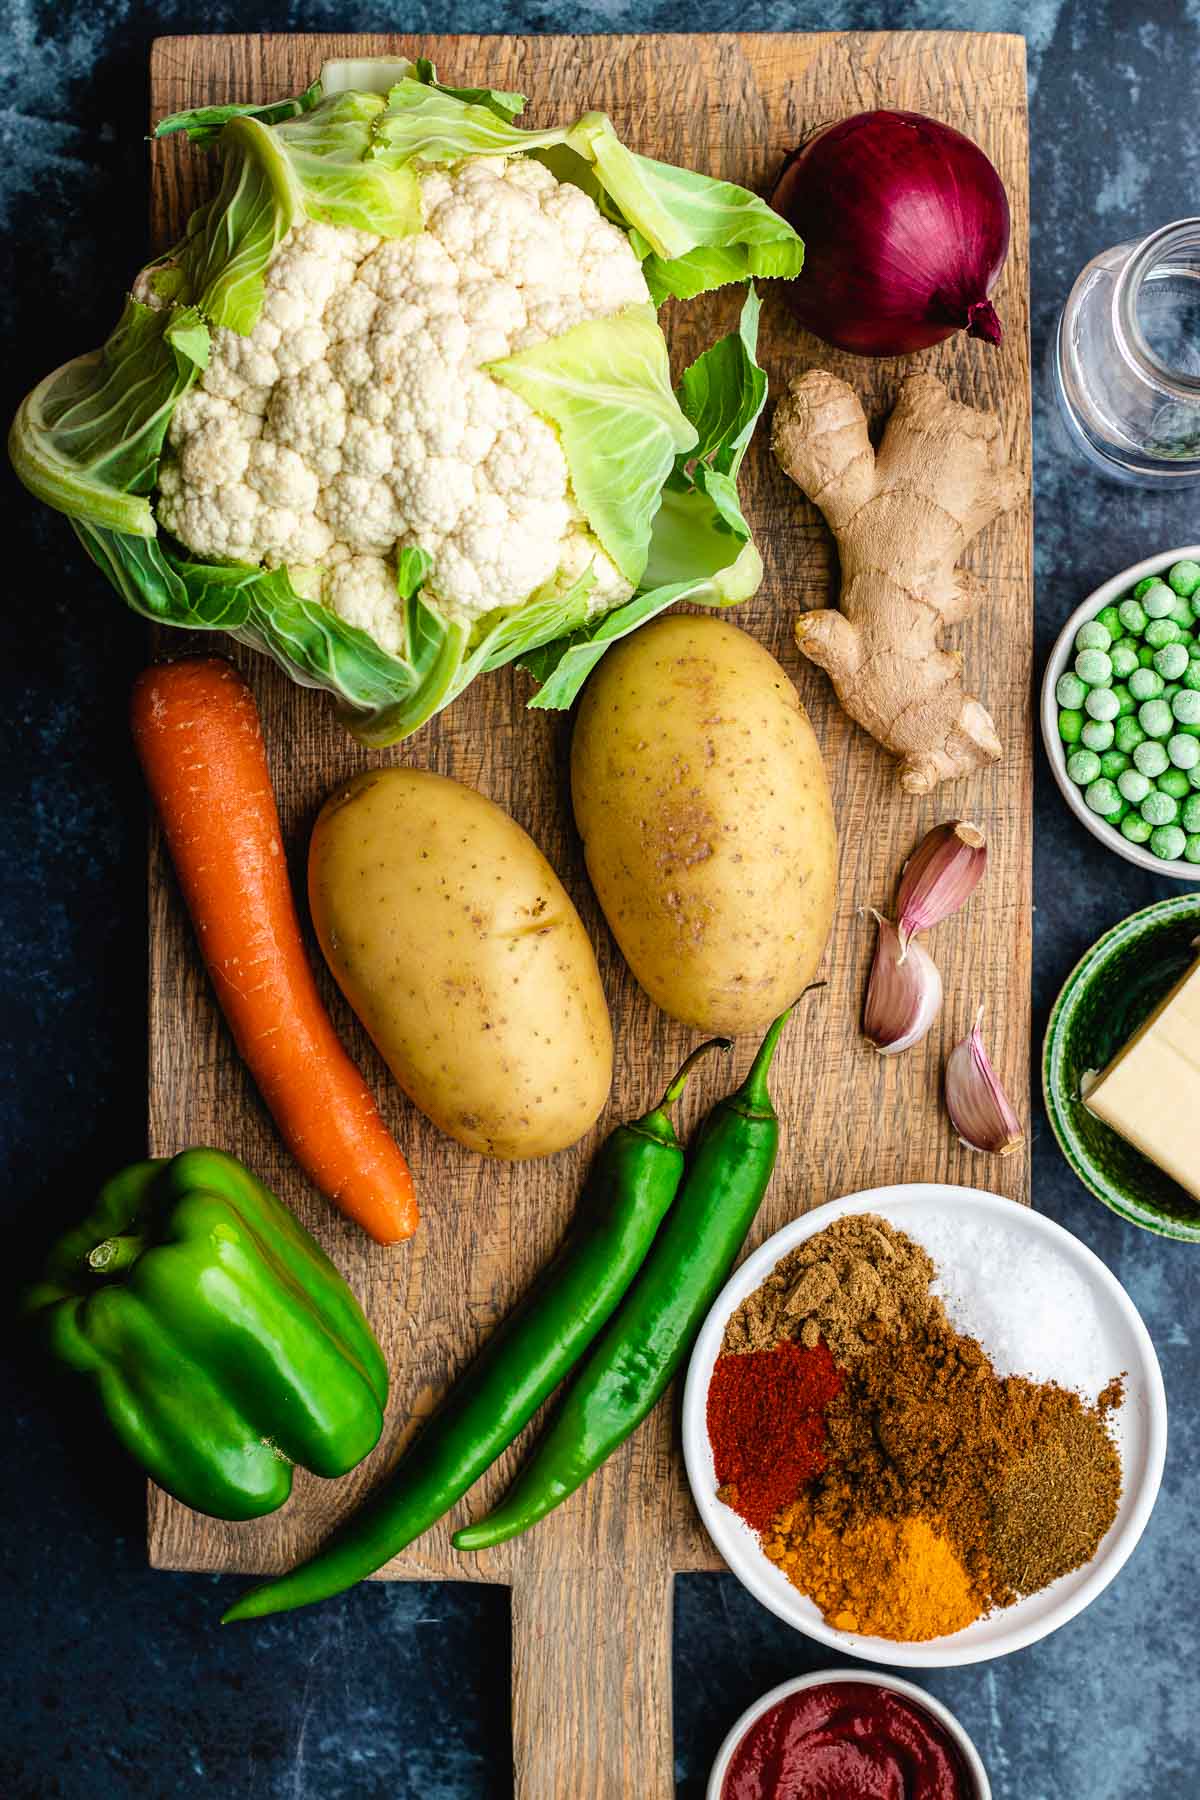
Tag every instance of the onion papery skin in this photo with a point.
(906, 228)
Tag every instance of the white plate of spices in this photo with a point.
(924, 1425)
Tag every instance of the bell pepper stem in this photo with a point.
(113, 1254)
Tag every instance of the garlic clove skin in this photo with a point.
(979, 1108)
(940, 876)
(904, 994)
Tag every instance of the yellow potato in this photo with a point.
(705, 814)
(459, 949)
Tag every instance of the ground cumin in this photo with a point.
(889, 1578)
(856, 1284)
(1048, 1510)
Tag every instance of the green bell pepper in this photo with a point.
(222, 1343)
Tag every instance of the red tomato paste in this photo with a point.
(847, 1740)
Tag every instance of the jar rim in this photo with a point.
(1127, 326)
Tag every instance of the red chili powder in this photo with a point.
(766, 1425)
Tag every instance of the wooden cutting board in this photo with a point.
(592, 1586)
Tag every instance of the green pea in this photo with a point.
(1094, 667)
(1103, 798)
(1191, 849)
(1133, 786)
(1157, 600)
(1132, 615)
(1183, 751)
(1135, 828)
(1189, 813)
(1175, 783)
(1193, 776)
(1145, 684)
(1070, 691)
(1168, 842)
(1123, 657)
(1160, 632)
(1169, 692)
(1155, 718)
(1110, 618)
(1184, 577)
(1101, 703)
(1093, 636)
(1084, 767)
(1191, 675)
(1158, 808)
(1070, 725)
(1098, 734)
(1113, 763)
(1145, 584)
(1151, 759)
(1186, 704)
(1146, 657)
(1128, 734)
(1126, 703)
(1182, 614)
(1172, 661)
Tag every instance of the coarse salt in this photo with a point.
(1029, 1308)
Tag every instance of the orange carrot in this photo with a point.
(197, 734)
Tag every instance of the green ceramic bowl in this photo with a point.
(1105, 998)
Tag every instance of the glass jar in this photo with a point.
(1125, 360)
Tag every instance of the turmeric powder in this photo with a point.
(889, 1578)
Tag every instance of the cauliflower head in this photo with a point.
(358, 416)
(397, 409)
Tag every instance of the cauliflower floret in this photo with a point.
(196, 409)
(580, 551)
(362, 513)
(432, 497)
(311, 541)
(280, 476)
(350, 312)
(358, 416)
(307, 412)
(239, 362)
(301, 349)
(222, 524)
(214, 455)
(362, 590)
(367, 449)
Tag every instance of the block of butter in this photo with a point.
(1150, 1092)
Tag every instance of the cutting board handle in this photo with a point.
(591, 1693)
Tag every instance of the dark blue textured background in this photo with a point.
(115, 1680)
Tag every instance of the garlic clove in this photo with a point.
(940, 876)
(979, 1108)
(904, 994)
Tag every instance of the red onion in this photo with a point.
(905, 226)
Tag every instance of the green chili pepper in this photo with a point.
(652, 1331)
(631, 1186)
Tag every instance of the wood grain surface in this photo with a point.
(591, 1586)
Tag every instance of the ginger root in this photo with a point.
(902, 517)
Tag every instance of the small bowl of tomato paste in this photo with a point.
(844, 1735)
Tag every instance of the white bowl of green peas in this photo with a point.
(1121, 713)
